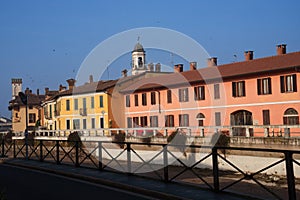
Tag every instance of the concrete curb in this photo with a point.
(134, 189)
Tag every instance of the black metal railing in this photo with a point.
(128, 158)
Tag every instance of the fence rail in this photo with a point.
(200, 131)
(130, 157)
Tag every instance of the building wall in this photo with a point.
(276, 102)
(97, 112)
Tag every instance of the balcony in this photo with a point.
(83, 111)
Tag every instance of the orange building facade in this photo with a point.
(255, 97)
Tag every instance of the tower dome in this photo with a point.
(138, 48)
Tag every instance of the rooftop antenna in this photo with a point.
(138, 39)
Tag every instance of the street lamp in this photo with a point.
(24, 99)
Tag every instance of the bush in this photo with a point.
(178, 138)
(221, 140)
(73, 138)
(119, 139)
(8, 137)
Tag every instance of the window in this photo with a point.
(290, 117)
(218, 118)
(136, 100)
(92, 102)
(75, 104)
(169, 121)
(199, 93)
(127, 101)
(93, 123)
(266, 117)
(135, 121)
(169, 96)
(76, 124)
(68, 126)
(238, 89)
(129, 122)
(264, 86)
(153, 98)
(144, 99)
(31, 117)
(101, 124)
(200, 117)
(50, 111)
(101, 101)
(68, 104)
(144, 121)
(183, 95)
(217, 91)
(84, 103)
(84, 123)
(153, 121)
(184, 120)
(288, 83)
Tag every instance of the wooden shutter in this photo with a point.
(282, 88)
(259, 86)
(294, 82)
(270, 85)
(234, 89)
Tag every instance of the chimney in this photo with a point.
(193, 66)
(213, 61)
(248, 55)
(91, 79)
(178, 68)
(151, 67)
(157, 67)
(46, 90)
(124, 73)
(281, 49)
(37, 91)
(71, 83)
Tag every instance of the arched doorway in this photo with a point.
(242, 118)
(290, 117)
(200, 117)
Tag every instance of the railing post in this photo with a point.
(290, 175)
(26, 145)
(266, 132)
(14, 143)
(201, 132)
(76, 154)
(128, 158)
(41, 150)
(57, 152)
(247, 132)
(2, 147)
(166, 164)
(100, 155)
(215, 169)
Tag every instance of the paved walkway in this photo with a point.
(154, 188)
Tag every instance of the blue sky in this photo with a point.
(45, 42)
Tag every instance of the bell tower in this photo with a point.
(138, 59)
(16, 84)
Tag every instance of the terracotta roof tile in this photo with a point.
(232, 70)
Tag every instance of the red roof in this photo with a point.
(218, 73)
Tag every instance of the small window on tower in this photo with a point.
(140, 60)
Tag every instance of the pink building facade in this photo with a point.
(255, 97)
